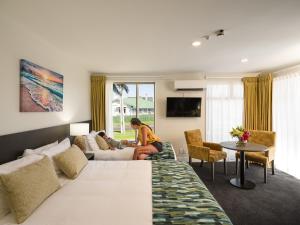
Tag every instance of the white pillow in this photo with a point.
(39, 150)
(11, 167)
(86, 143)
(93, 146)
(94, 133)
(54, 150)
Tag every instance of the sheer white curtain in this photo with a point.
(224, 110)
(286, 121)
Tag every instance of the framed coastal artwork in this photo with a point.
(41, 90)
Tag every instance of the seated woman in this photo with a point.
(150, 143)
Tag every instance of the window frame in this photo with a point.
(137, 83)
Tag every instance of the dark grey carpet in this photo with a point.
(277, 202)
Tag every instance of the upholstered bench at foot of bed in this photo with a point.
(180, 197)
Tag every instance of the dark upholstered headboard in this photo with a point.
(13, 145)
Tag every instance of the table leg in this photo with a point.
(242, 167)
(241, 182)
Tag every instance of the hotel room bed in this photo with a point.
(167, 153)
(130, 192)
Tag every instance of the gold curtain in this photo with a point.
(98, 101)
(258, 102)
(250, 103)
(265, 82)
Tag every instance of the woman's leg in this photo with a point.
(142, 152)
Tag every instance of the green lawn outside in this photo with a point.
(128, 135)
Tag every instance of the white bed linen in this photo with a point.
(106, 192)
(118, 154)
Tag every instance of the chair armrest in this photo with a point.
(198, 152)
(213, 146)
(270, 153)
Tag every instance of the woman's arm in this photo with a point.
(144, 136)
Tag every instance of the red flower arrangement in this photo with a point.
(242, 134)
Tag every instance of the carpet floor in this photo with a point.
(277, 202)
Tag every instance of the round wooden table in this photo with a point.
(240, 182)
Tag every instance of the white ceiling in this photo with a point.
(140, 36)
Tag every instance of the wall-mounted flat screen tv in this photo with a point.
(183, 107)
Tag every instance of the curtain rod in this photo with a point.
(286, 69)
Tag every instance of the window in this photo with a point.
(132, 100)
(224, 110)
(286, 121)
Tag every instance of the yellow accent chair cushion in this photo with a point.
(204, 151)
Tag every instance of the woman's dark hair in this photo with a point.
(136, 121)
(101, 134)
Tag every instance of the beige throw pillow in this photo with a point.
(71, 162)
(29, 186)
(102, 143)
(8, 168)
(80, 142)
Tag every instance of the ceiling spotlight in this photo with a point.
(196, 43)
(244, 60)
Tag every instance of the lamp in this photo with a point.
(77, 129)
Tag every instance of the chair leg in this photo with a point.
(201, 164)
(273, 168)
(247, 164)
(213, 171)
(225, 167)
(190, 159)
(236, 165)
(265, 173)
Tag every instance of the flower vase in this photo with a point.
(241, 142)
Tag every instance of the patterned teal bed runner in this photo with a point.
(180, 197)
(166, 153)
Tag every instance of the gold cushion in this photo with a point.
(255, 157)
(266, 138)
(216, 155)
(80, 142)
(71, 161)
(101, 143)
(29, 186)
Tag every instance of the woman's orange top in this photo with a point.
(151, 137)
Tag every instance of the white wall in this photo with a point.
(172, 129)
(16, 43)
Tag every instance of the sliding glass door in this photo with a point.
(224, 110)
(132, 100)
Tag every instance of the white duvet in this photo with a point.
(105, 193)
(118, 154)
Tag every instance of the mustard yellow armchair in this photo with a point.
(266, 158)
(204, 151)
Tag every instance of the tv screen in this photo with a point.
(183, 107)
